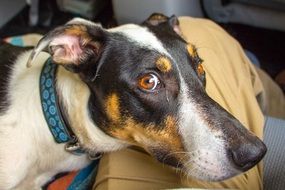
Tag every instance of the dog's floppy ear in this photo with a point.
(157, 18)
(72, 44)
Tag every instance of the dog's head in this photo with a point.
(147, 89)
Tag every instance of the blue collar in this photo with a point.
(50, 104)
(55, 119)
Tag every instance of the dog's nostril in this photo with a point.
(246, 156)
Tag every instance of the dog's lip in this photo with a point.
(165, 157)
(212, 177)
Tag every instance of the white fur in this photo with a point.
(206, 153)
(29, 156)
(79, 20)
(141, 36)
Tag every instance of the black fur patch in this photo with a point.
(124, 62)
(166, 158)
(8, 56)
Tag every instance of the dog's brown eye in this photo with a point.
(200, 70)
(149, 82)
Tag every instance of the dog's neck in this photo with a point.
(74, 96)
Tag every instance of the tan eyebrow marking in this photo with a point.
(163, 64)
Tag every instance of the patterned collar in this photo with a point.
(50, 104)
(56, 122)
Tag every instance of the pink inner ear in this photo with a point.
(177, 29)
(66, 49)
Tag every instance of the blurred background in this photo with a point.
(259, 25)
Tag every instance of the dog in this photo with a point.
(141, 85)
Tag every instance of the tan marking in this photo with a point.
(112, 107)
(156, 19)
(76, 30)
(163, 64)
(191, 50)
(196, 60)
(165, 135)
(200, 70)
(79, 31)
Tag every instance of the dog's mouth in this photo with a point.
(212, 164)
(203, 164)
(206, 165)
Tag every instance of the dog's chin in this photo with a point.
(212, 176)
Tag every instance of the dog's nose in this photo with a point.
(247, 155)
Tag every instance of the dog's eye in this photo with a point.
(149, 82)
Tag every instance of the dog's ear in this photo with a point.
(73, 44)
(157, 18)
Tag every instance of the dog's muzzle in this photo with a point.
(218, 146)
